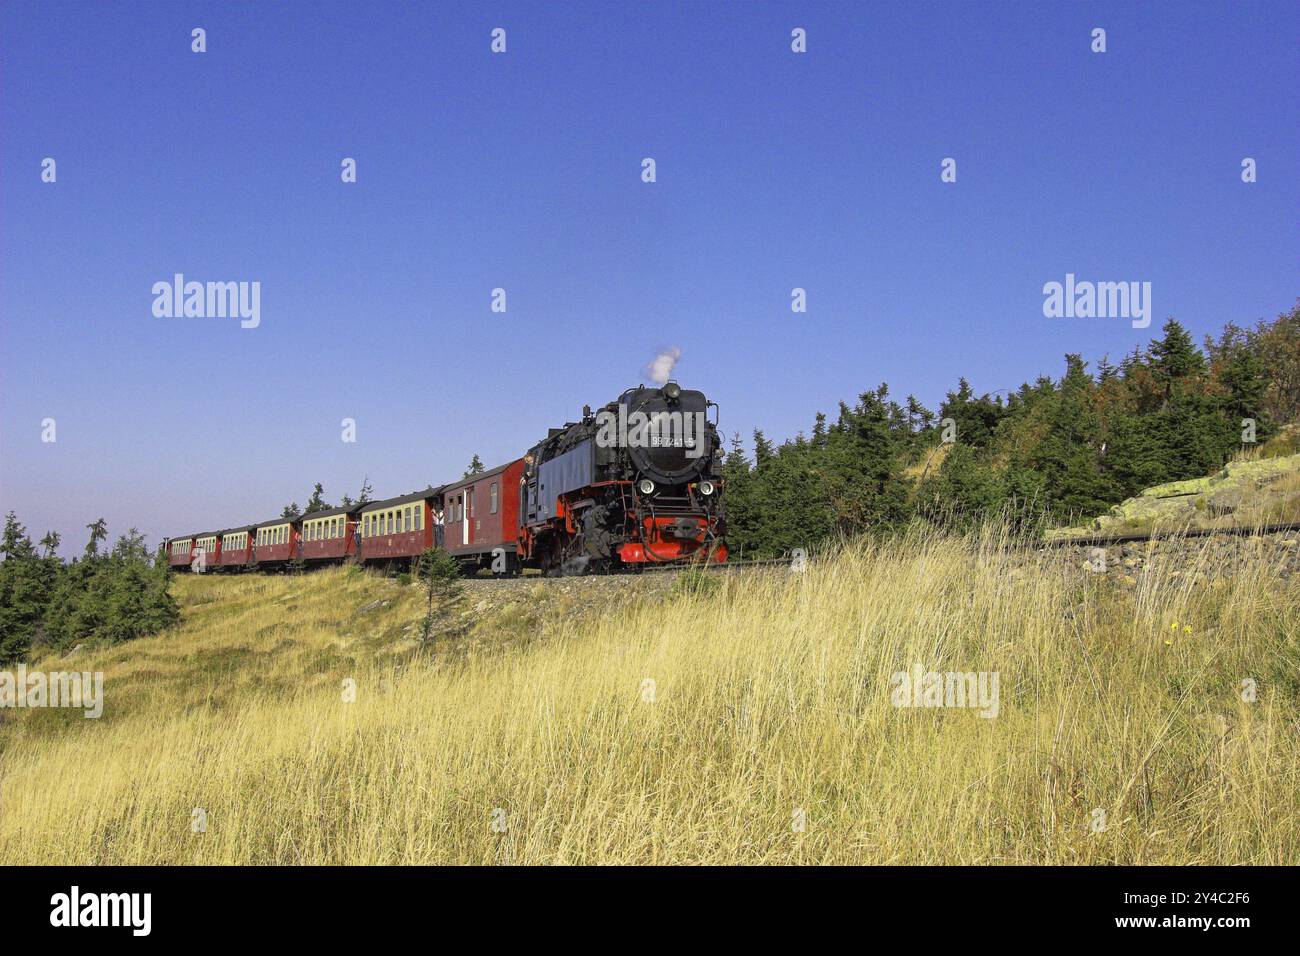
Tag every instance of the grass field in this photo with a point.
(747, 723)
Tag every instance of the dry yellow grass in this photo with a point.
(770, 699)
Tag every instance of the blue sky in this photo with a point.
(522, 171)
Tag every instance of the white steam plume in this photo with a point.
(661, 368)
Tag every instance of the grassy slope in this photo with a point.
(770, 695)
(1259, 490)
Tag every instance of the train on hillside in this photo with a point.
(636, 483)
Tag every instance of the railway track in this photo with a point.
(1100, 540)
(1088, 541)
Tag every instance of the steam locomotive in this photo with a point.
(638, 482)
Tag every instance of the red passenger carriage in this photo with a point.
(236, 547)
(275, 542)
(398, 529)
(330, 535)
(482, 518)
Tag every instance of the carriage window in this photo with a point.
(494, 497)
(419, 518)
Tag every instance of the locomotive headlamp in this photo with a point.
(646, 486)
(706, 488)
(672, 391)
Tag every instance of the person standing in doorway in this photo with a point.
(437, 526)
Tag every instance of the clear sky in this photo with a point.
(523, 171)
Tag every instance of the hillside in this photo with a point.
(1244, 493)
(637, 721)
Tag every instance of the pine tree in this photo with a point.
(317, 501)
(763, 450)
(741, 519)
(98, 532)
(819, 430)
(23, 591)
(51, 543)
(1174, 357)
(475, 467)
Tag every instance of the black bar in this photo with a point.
(944, 906)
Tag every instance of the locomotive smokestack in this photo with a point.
(661, 369)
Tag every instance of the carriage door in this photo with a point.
(467, 510)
